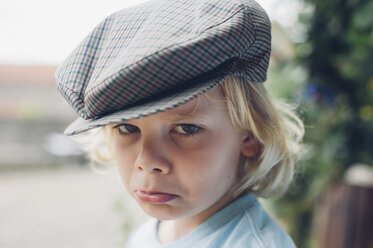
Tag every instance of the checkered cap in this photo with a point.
(158, 55)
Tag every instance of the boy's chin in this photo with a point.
(161, 211)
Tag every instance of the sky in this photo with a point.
(44, 32)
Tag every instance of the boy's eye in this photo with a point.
(186, 129)
(182, 129)
(127, 128)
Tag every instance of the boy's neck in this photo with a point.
(172, 230)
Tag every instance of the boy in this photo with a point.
(172, 89)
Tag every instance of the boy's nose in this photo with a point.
(151, 160)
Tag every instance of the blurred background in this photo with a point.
(322, 60)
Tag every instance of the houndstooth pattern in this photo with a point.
(156, 51)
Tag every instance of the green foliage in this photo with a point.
(341, 78)
(337, 103)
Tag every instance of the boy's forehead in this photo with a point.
(198, 106)
(190, 108)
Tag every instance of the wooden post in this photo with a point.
(345, 217)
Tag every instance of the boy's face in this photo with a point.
(182, 163)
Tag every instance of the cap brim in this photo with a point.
(160, 105)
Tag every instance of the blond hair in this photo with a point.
(277, 130)
(272, 123)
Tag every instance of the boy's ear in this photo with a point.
(249, 147)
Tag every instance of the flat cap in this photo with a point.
(160, 54)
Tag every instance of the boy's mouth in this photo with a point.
(154, 197)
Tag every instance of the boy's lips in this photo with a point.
(154, 197)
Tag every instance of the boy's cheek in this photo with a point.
(123, 142)
(125, 172)
(197, 142)
(190, 144)
(125, 160)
